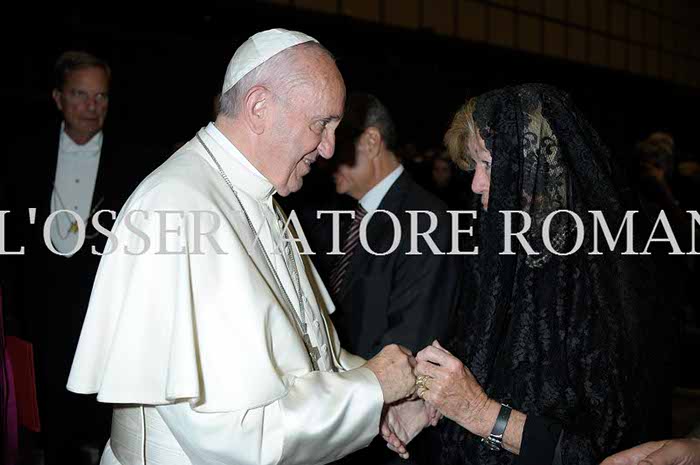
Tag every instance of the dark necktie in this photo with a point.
(343, 263)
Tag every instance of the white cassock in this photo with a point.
(197, 340)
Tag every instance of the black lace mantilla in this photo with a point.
(567, 337)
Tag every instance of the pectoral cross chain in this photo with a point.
(313, 351)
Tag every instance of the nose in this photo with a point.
(327, 145)
(480, 182)
(92, 102)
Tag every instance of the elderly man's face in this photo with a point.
(83, 101)
(306, 126)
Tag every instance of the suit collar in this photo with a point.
(394, 196)
(372, 199)
(379, 226)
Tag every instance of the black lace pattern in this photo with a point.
(551, 335)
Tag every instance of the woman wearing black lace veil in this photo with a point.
(564, 340)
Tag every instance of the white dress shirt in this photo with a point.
(74, 186)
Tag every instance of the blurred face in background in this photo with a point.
(663, 140)
(354, 169)
(656, 156)
(361, 161)
(663, 145)
(442, 172)
(83, 100)
(351, 165)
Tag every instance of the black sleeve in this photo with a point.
(424, 292)
(540, 442)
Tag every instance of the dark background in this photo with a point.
(168, 67)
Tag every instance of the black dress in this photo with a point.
(574, 341)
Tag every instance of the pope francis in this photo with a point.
(207, 329)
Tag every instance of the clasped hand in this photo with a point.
(444, 386)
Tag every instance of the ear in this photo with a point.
(257, 109)
(373, 140)
(56, 95)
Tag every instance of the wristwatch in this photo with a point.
(495, 440)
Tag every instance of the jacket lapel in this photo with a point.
(380, 225)
(99, 201)
(48, 172)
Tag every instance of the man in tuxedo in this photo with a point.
(54, 184)
(398, 297)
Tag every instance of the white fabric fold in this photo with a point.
(197, 326)
(162, 326)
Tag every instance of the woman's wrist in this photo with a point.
(481, 416)
(481, 419)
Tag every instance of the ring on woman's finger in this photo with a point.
(422, 382)
(421, 391)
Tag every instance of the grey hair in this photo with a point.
(74, 60)
(276, 73)
(364, 110)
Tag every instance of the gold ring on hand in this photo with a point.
(422, 382)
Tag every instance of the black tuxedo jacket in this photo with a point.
(30, 170)
(399, 298)
(27, 182)
(46, 295)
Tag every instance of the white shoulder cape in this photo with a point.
(181, 321)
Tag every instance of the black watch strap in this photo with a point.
(495, 440)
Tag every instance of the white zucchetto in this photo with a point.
(257, 50)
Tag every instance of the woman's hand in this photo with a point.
(451, 388)
(672, 452)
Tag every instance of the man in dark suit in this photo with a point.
(403, 297)
(53, 184)
(399, 297)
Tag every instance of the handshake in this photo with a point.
(406, 413)
(393, 367)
